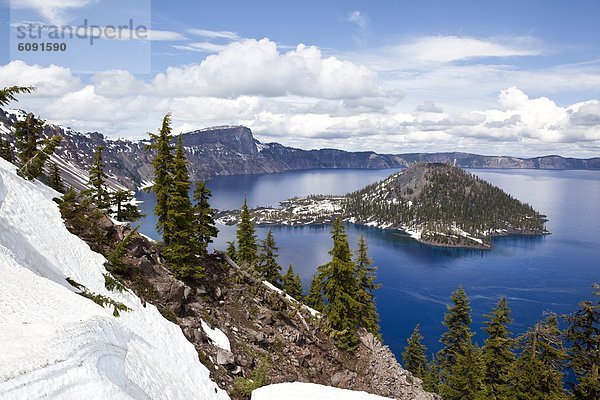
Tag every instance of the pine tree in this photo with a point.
(538, 371)
(414, 354)
(126, 210)
(339, 288)
(431, 380)
(204, 218)
(55, 179)
(6, 150)
(7, 94)
(246, 239)
(28, 137)
(365, 275)
(457, 322)
(34, 166)
(466, 378)
(583, 333)
(498, 355)
(314, 298)
(231, 251)
(181, 250)
(162, 164)
(267, 265)
(97, 181)
(291, 284)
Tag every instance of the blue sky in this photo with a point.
(495, 77)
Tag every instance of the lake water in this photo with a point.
(536, 274)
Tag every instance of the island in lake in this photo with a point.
(435, 203)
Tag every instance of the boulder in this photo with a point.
(225, 357)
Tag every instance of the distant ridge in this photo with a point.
(233, 150)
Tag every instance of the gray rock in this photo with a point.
(343, 379)
(225, 357)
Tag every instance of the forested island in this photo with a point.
(435, 203)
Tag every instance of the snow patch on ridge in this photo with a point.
(216, 336)
(304, 391)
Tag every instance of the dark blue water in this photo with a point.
(536, 274)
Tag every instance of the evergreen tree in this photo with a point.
(162, 164)
(204, 218)
(457, 322)
(267, 265)
(55, 179)
(466, 378)
(181, 250)
(246, 239)
(125, 209)
(498, 356)
(314, 299)
(538, 371)
(583, 333)
(291, 284)
(34, 166)
(97, 190)
(431, 380)
(365, 275)
(339, 288)
(6, 150)
(414, 354)
(28, 137)
(7, 94)
(231, 251)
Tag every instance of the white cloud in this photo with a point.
(55, 11)
(444, 49)
(158, 35)
(360, 19)
(252, 67)
(214, 34)
(49, 81)
(304, 99)
(204, 47)
(117, 83)
(429, 106)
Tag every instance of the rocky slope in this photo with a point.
(238, 323)
(232, 150)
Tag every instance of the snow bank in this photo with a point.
(306, 391)
(216, 336)
(55, 343)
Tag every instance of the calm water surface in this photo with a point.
(536, 274)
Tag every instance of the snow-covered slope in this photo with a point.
(309, 391)
(57, 344)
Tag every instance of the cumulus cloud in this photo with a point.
(117, 83)
(49, 81)
(304, 99)
(252, 67)
(429, 106)
(587, 115)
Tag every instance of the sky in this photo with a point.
(518, 78)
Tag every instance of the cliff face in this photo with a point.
(232, 150)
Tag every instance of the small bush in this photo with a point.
(243, 387)
(113, 284)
